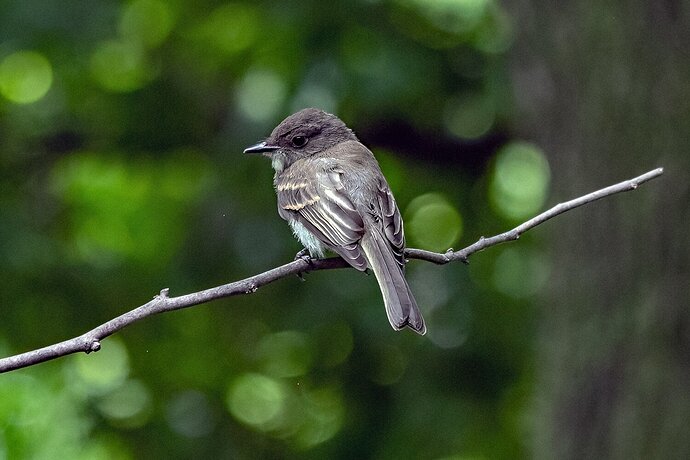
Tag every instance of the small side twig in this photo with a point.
(91, 340)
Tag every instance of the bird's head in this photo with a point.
(302, 134)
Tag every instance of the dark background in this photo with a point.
(121, 131)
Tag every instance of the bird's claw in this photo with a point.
(305, 256)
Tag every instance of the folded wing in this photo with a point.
(322, 205)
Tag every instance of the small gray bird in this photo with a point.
(332, 193)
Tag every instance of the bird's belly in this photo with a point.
(307, 238)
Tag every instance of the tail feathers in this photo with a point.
(401, 307)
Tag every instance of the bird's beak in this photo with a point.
(261, 147)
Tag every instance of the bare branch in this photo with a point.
(514, 234)
(91, 340)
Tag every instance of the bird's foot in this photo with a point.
(305, 256)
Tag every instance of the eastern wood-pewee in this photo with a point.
(332, 193)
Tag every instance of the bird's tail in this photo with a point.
(401, 307)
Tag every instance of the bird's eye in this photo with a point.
(299, 141)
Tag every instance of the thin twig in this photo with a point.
(514, 234)
(91, 340)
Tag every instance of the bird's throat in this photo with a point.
(278, 162)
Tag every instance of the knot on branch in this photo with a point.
(91, 344)
(461, 255)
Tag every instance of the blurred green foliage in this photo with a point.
(121, 131)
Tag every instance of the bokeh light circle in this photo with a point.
(25, 77)
(285, 354)
(469, 116)
(256, 399)
(103, 372)
(520, 180)
(432, 222)
(521, 272)
(148, 22)
(121, 66)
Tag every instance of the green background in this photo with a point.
(121, 131)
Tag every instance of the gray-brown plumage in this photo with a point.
(332, 193)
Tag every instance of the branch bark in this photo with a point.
(91, 340)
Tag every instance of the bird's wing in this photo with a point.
(322, 205)
(391, 221)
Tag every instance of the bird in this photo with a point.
(331, 191)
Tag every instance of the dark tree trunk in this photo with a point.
(604, 89)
